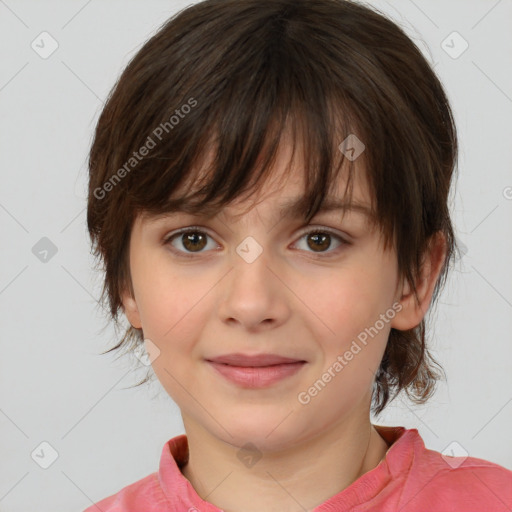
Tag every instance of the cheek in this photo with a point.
(343, 310)
(344, 301)
(173, 302)
(161, 293)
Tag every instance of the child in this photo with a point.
(307, 149)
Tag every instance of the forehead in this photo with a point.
(287, 204)
(293, 205)
(283, 193)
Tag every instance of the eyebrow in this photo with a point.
(296, 207)
(293, 208)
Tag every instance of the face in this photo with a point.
(323, 293)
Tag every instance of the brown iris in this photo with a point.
(194, 240)
(320, 240)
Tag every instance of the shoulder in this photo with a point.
(456, 483)
(144, 494)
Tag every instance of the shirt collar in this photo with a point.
(402, 444)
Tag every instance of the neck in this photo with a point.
(300, 477)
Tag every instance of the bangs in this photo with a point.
(250, 99)
(235, 166)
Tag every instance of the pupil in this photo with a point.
(322, 238)
(191, 240)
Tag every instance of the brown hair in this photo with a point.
(230, 76)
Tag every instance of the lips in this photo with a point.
(255, 371)
(257, 360)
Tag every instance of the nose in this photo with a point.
(253, 295)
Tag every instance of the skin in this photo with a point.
(293, 300)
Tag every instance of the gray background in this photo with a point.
(54, 385)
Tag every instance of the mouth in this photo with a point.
(254, 360)
(255, 371)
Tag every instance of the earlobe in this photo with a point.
(414, 309)
(131, 311)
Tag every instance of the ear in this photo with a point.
(412, 312)
(130, 309)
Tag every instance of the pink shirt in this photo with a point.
(409, 478)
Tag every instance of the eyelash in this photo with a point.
(197, 229)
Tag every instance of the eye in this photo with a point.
(321, 239)
(194, 239)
